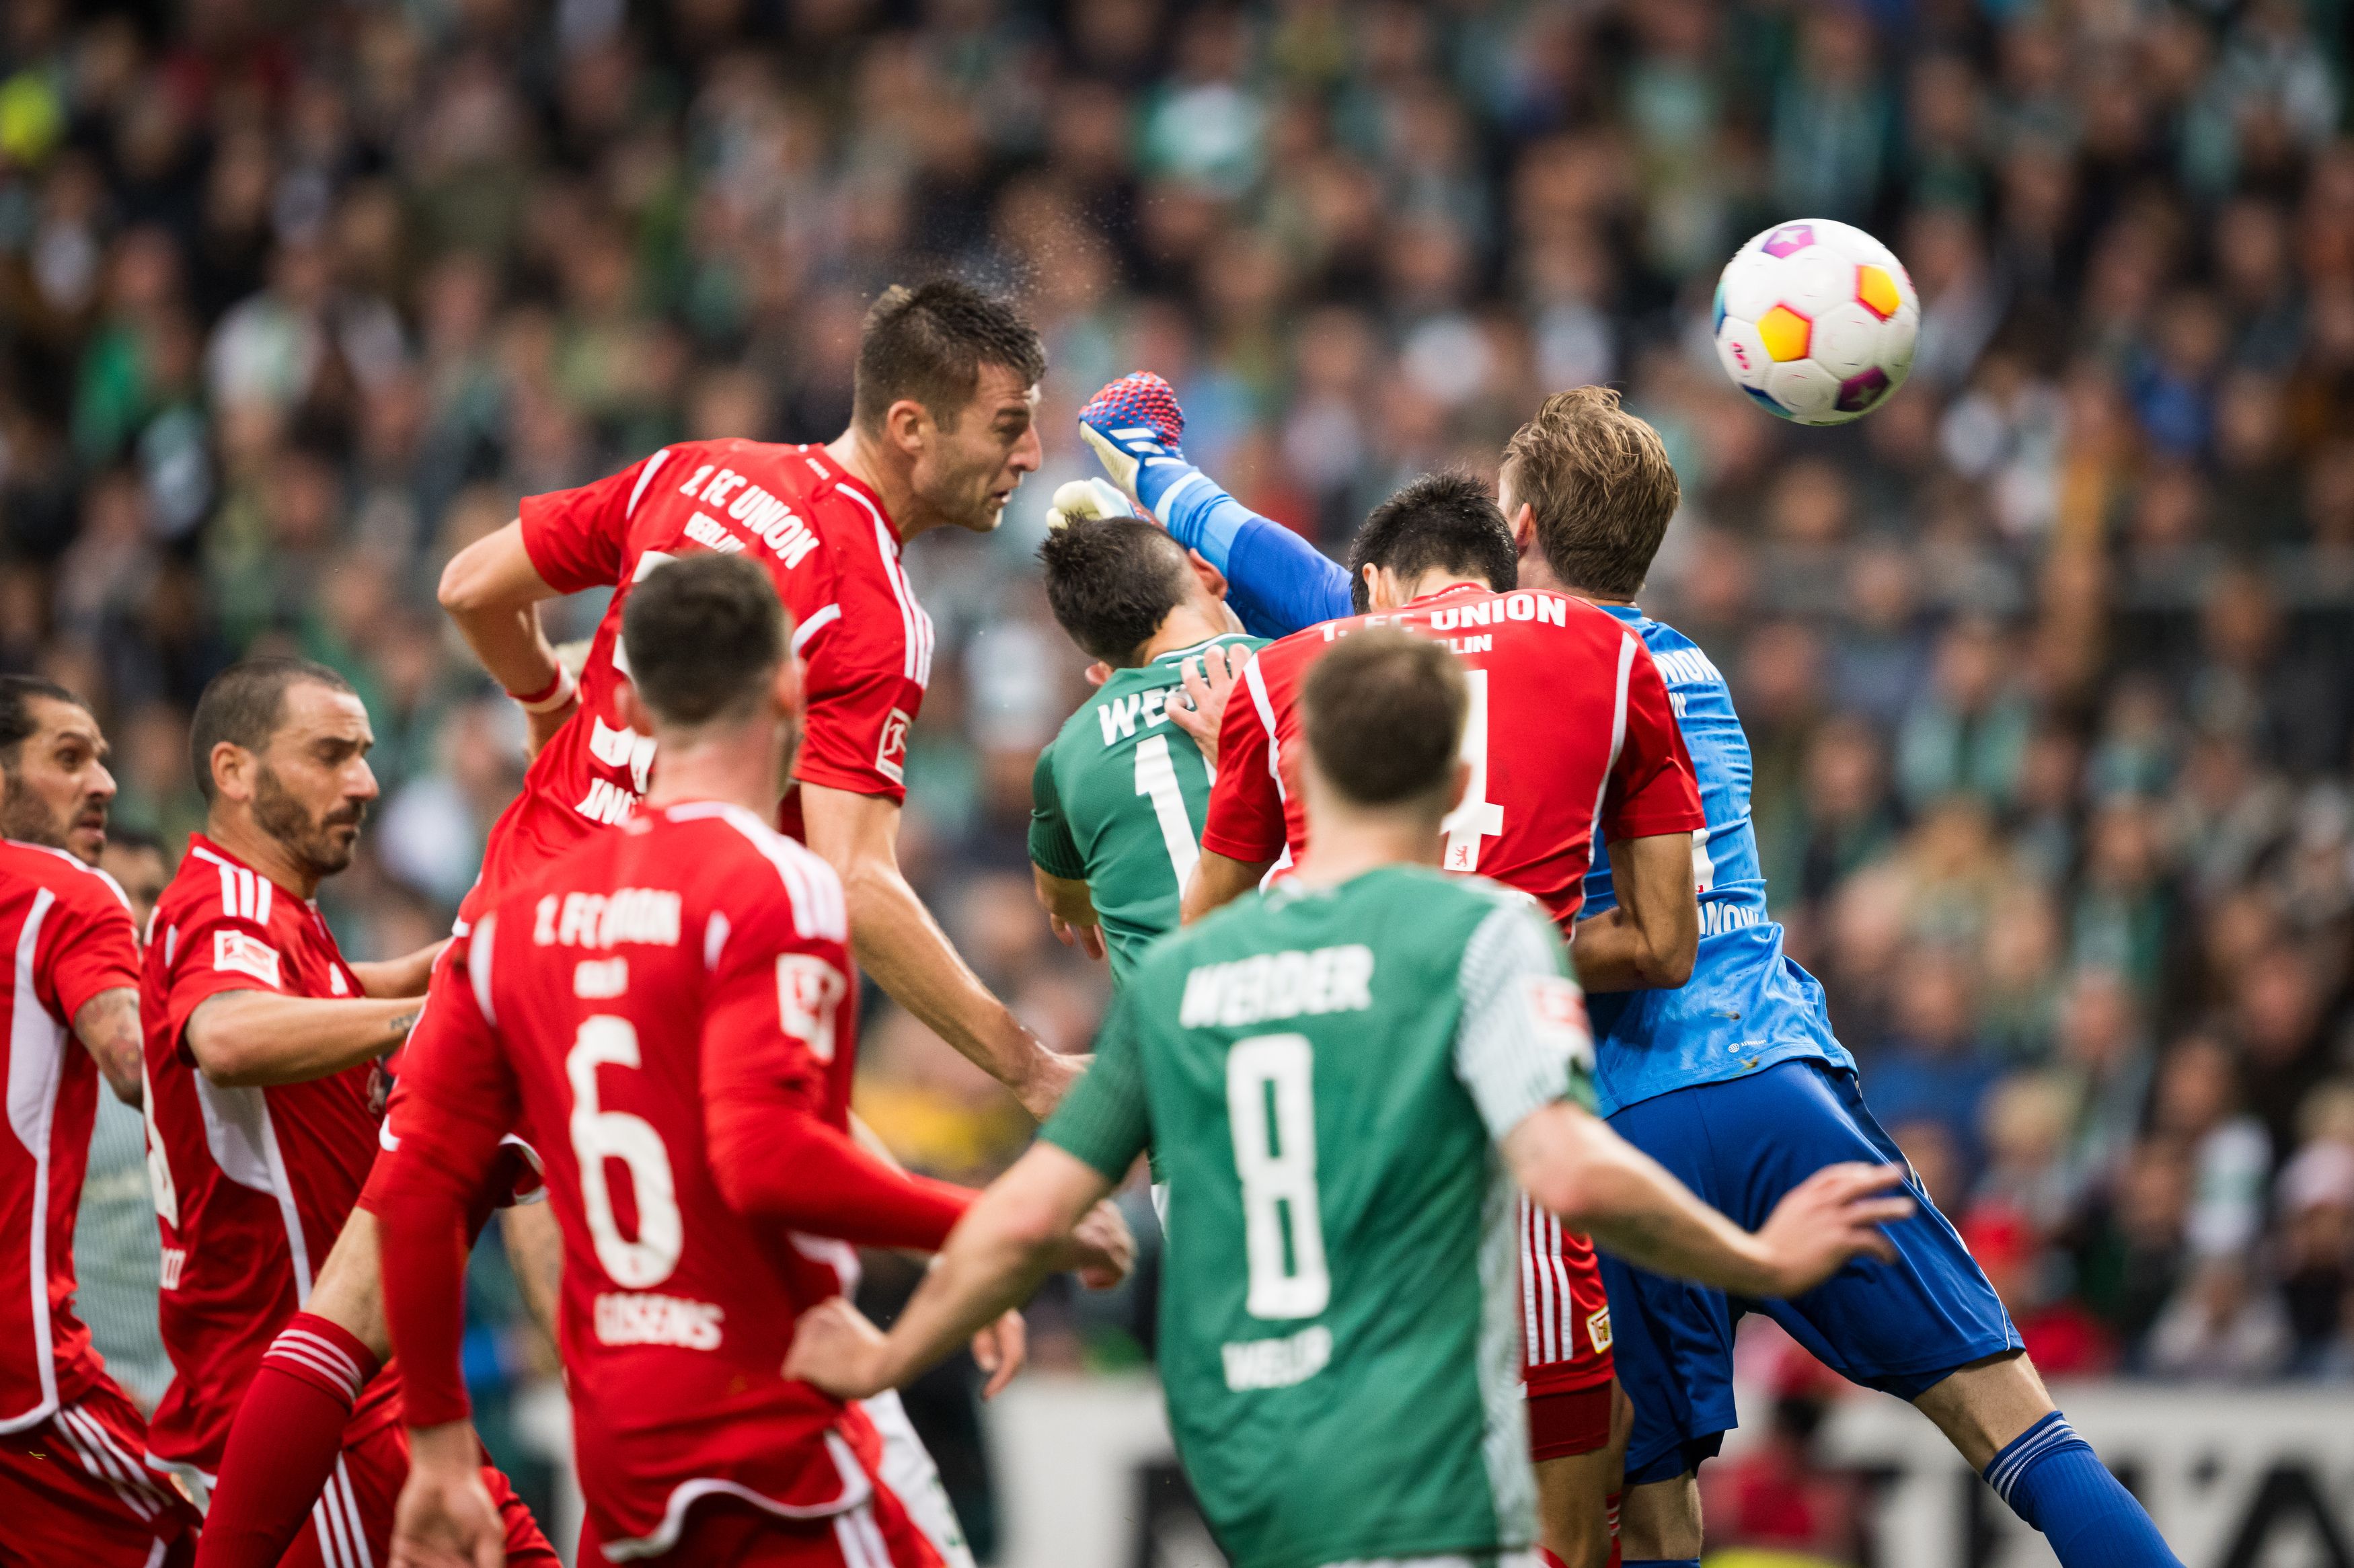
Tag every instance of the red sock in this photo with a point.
(284, 1445)
(1610, 1508)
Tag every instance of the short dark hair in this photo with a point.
(1599, 483)
(244, 706)
(18, 693)
(1384, 715)
(1446, 521)
(704, 635)
(1111, 581)
(929, 343)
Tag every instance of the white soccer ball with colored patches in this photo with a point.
(1816, 321)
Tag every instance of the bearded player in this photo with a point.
(72, 1489)
(266, 1090)
(941, 433)
(1744, 1048)
(676, 995)
(1344, 1079)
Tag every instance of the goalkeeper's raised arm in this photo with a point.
(1278, 582)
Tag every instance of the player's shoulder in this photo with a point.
(744, 867)
(74, 882)
(1681, 660)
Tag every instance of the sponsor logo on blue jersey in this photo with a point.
(1747, 1006)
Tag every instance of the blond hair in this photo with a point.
(1600, 485)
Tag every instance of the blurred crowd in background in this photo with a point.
(2046, 664)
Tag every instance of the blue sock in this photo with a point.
(2054, 1480)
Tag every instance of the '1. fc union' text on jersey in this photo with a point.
(70, 930)
(1747, 1006)
(691, 956)
(1569, 734)
(1119, 800)
(834, 556)
(1324, 1074)
(252, 1184)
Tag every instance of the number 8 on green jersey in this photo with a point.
(1324, 1074)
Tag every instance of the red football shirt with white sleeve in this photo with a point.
(831, 550)
(70, 930)
(1570, 733)
(252, 1184)
(834, 556)
(694, 958)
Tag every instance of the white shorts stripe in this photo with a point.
(88, 1440)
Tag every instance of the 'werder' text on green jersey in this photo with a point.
(1323, 1075)
(1119, 800)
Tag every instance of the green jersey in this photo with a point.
(1118, 801)
(1324, 1074)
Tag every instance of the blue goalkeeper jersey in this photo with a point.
(1748, 1006)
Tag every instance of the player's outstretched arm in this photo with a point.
(1046, 1212)
(1568, 1159)
(108, 1027)
(903, 947)
(1281, 583)
(242, 1038)
(407, 974)
(1649, 940)
(492, 591)
(1218, 881)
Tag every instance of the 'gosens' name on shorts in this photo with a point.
(1278, 985)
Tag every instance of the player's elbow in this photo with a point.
(471, 582)
(1028, 1227)
(223, 1063)
(1672, 967)
(1559, 1158)
(129, 1083)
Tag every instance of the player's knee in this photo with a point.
(1661, 1520)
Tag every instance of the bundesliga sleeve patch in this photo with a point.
(891, 756)
(239, 952)
(1559, 1011)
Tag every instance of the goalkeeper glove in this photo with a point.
(1085, 500)
(1134, 426)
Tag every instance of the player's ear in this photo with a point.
(233, 769)
(1524, 528)
(906, 425)
(630, 708)
(785, 690)
(1213, 581)
(1457, 783)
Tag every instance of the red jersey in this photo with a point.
(1569, 732)
(70, 928)
(693, 957)
(834, 557)
(252, 1184)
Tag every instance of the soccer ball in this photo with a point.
(1816, 321)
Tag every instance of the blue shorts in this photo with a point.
(1741, 1144)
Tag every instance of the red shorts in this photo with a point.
(74, 1490)
(351, 1524)
(1568, 1422)
(725, 1532)
(1565, 1317)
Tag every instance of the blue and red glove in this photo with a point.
(1278, 583)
